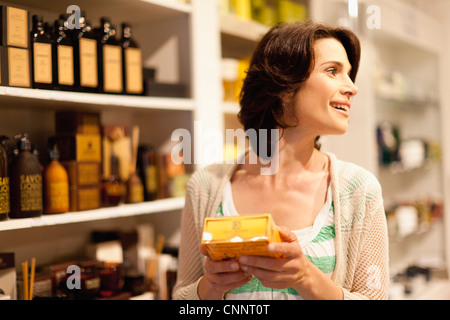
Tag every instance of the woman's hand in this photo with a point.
(294, 270)
(220, 277)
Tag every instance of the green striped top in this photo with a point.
(316, 241)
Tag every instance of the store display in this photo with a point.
(4, 183)
(63, 57)
(25, 182)
(56, 185)
(232, 237)
(41, 55)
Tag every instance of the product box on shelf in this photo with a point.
(232, 237)
(15, 23)
(85, 197)
(15, 67)
(79, 147)
(77, 122)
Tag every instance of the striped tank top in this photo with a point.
(316, 241)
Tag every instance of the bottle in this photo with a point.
(86, 67)
(132, 63)
(56, 185)
(110, 59)
(41, 53)
(113, 189)
(63, 58)
(4, 184)
(25, 183)
(148, 171)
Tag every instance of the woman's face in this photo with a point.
(322, 104)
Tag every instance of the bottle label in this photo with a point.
(58, 195)
(42, 55)
(19, 67)
(4, 195)
(133, 69)
(88, 63)
(151, 179)
(17, 27)
(112, 68)
(65, 65)
(88, 198)
(31, 192)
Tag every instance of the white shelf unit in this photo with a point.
(412, 42)
(179, 42)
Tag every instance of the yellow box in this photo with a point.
(232, 237)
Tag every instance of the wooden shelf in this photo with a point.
(125, 210)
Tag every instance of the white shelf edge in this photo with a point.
(171, 4)
(145, 102)
(124, 210)
(245, 29)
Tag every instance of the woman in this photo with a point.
(330, 213)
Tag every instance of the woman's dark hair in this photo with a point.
(281, 62)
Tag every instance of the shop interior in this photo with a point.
(112, 137)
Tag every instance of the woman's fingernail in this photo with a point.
(245, 268)
(234, 266)
(243, 259)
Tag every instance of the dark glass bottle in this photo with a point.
(87, 62)
(4, 184)
(63, 57)
(110, 59)
(113, 189)
(26, 183)
(148, 171)
(132, 63)
(41, 55)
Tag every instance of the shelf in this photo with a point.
(125, 210)
(239, 36)
(133, 11)
(77, 99)
(407, 102)
(249, 30)
(230, 107)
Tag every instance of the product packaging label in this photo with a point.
(19, 67)
(88, 63)
(4, 195)
(133, 76)
(65, 65)
(231, 237)
(42, 55)
(17, 27)
(112, 68)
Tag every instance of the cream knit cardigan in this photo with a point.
(361, 243)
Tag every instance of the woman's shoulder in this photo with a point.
(353, 176)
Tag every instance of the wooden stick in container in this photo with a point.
(33, 267)
(25, 279)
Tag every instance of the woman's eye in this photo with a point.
(332, 71)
